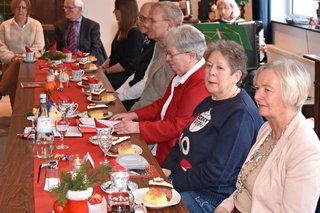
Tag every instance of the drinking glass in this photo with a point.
(105, 143)
(64, 106)
(32, 133)
(62, 127)
(120, 178)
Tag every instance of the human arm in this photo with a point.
(179, 113)
(38, 43)
(5, 54)
(128, 116)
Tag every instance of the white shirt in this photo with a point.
(177, 80)
(128, 93)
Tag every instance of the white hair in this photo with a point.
(79, 3)
(233, 5)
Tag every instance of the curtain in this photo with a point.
(261, 10)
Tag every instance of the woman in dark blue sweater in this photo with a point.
(205, 163)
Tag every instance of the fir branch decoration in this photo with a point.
(57, 55)
(82, 180)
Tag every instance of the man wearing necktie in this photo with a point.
(76, 32)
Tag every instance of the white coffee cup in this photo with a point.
(95, 86)
(29, 56)
(68, 56)
(83, 59)
(77, 74)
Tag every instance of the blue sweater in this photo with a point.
(212, 149)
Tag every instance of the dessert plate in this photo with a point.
(132, 161)
(89, 98)
(139, 198)
(136, 147)
(85, 115)
(34, 60)
(90, 70)
(107, 187)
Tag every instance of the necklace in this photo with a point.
(254, 161)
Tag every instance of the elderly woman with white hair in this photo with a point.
(228, 12)
(282, 170)
(162, 121)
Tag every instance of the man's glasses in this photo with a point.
(152, 21)
(68, 7)
(142, 18)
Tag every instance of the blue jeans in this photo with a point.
(195, 203)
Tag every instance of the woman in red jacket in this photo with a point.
(162, 121)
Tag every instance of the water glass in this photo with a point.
(62, 127)
(105, 143)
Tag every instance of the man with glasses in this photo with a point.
(127, 91)
(163, 16)
(76, 32)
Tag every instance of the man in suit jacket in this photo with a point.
(162, 17)
(87, 32)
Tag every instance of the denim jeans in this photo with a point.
(195, 203)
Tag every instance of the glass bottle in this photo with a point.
(44, 136)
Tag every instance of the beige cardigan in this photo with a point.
(13, 38)
(289, 181)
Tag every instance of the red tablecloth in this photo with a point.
(43, 199)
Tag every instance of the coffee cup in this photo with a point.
(83, 59)
(77, 74)
(95, 86)
(68, 56)
(29, 56)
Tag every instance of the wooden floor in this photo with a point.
(5, 116)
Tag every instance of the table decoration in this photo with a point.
(74, 190)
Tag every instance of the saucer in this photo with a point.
(74, 80)
(72, 61)
(34, 60)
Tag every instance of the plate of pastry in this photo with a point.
(101, 97)
(159, 194)
(98, 111)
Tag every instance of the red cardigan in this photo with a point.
(178, 115)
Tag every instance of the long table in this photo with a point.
(17, 172)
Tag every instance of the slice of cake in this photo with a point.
(102, 95)
(160, 192)
(121, 146)
(97, 110)
(85, 81)
(97, 94)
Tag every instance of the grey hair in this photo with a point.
(79, 3)
(186, 38)
(233, 5)
(294, 78)
(233, 53)
(170, 11)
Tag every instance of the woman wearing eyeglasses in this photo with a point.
(162, 121)
(205, 163)
(15, 34)
(126, 44)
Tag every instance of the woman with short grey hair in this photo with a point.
(190, 40)
(281, 172)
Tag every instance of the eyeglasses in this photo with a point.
(175, 54)
(21, 8)
(69, 7)
(154, 21)
(142, 18)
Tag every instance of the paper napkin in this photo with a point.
(65, 50)
(28, 49)
(88, 157)
(99, 124)
(92, 80)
